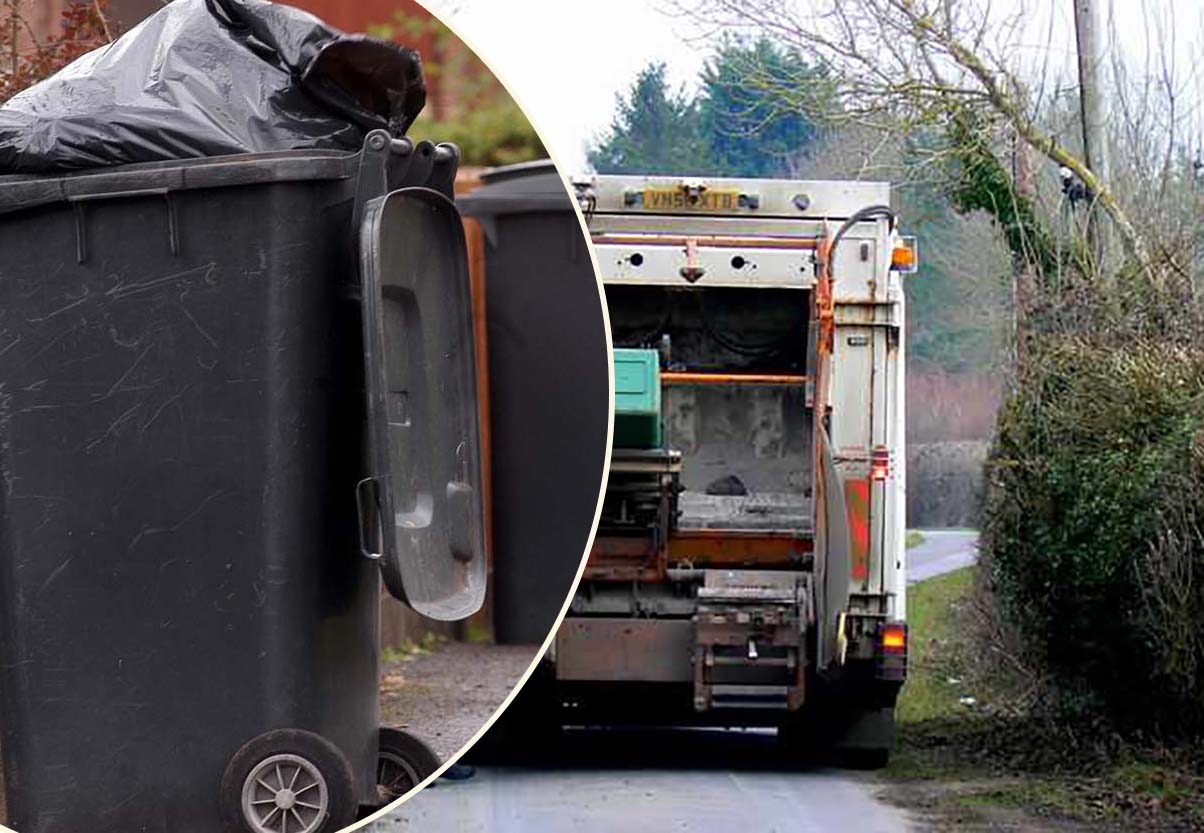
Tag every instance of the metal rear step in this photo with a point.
(748, 638)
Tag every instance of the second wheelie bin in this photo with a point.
(549, 391)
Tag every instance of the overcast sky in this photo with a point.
(565, 60)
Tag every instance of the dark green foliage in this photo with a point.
(739, 124)
(1092, 468)
(984, 184)
(654, 131)
(746, 128)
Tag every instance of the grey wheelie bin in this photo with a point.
(549, 395)
(234, 391)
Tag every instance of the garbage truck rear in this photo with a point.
(748, 566)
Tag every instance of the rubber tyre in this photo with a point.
(864, 759)
(341, 805)
(800, 743)
(868, 739)
(859, 738)
(404, 762)
(529, 730)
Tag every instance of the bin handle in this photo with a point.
(371, 529)
(81, 197)
(99, 196)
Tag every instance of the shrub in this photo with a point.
(1092, 526)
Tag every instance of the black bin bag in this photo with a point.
(211, 78)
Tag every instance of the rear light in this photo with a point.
(892, 638)
(880, 464)
(890, 664)
(903, 256)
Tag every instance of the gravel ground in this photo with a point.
(445, 695)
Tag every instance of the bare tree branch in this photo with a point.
(914, 64)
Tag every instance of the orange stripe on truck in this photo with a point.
(857, 505)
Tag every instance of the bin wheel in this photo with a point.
(405, 761)
(288, 781)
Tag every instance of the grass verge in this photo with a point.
(969, 756)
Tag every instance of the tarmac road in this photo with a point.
(663, 781)
(942, 551)
(684, 781)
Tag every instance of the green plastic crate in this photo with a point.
(638, 399)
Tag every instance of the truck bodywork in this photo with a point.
(749, 570)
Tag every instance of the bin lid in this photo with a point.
(526, 187)
(19, 192)
(421, 509)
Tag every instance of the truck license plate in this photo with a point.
(676, 199)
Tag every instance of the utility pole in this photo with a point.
(1095, 123)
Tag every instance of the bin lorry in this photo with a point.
(748, 565)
